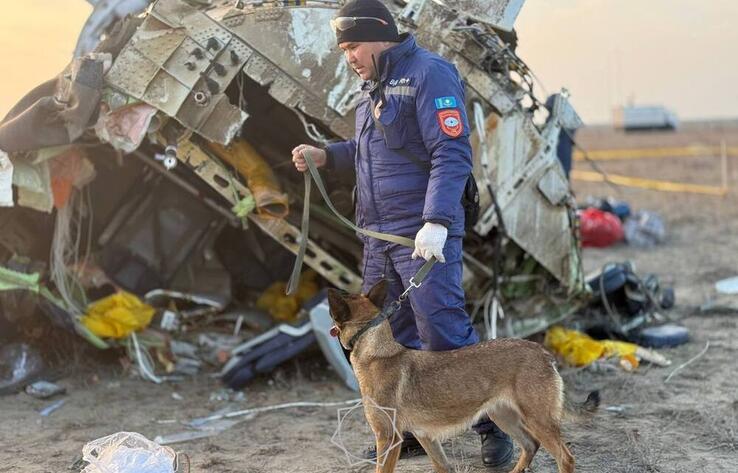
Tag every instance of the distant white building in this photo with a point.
(634, 118)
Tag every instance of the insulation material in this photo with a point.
(34, 185)
(126, 127)
(6, 180)
(261, 180)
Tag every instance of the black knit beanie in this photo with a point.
(367, 30)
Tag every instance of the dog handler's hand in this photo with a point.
(298, 157)
(430, 241)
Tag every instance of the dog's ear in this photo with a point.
(378, 294)
(340, 310)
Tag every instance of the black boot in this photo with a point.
(497, 448)
(410, 448)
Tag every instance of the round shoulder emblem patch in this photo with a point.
(450, 121)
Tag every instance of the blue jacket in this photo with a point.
(423, 115)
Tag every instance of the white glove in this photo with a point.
(430, 240)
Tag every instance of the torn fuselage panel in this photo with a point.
(304, 69)
(180, 61)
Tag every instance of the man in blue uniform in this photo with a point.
(412, 158)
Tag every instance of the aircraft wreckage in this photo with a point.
(159, 160)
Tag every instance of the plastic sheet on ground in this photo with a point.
(117, 316)
(644, 229)
(127, 452)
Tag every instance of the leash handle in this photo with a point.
(294, 282)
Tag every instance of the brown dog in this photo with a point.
(438, 394)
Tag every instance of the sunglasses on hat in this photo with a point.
(343, 23)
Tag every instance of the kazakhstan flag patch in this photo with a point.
(445, 102)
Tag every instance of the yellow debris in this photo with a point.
(285, 308)
(117, 316)
(579, 349)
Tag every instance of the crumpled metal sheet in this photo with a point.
(430, 25)
(532, 193)
(181, 61)
(498, 13)
(304, 69)
(104, 14)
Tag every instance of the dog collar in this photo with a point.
(385, 314)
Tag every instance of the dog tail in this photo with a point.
(582, 411)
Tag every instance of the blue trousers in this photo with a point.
(434, 316)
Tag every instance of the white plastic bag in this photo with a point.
(127, 452)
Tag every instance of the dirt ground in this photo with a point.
(645, 425)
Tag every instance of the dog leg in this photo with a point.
(509, 421)
(548, 434)
(385, 433)
(387, 459)
(435, 451)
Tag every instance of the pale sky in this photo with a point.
(679, 53)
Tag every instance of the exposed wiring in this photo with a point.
(142, 358)
(311, 130)
(689, 362)
(65, 257)
(256, 410)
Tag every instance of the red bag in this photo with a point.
(599, 229)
